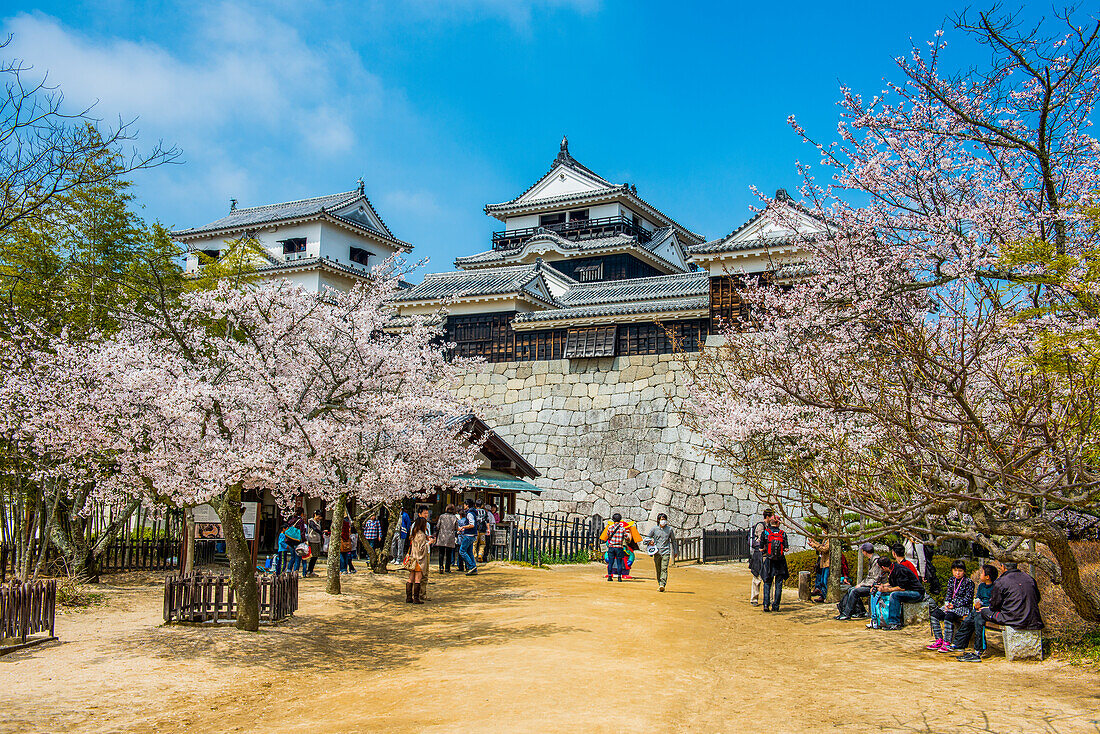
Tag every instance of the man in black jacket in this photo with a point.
(1013, 602)
(903, 586)
(774, 543)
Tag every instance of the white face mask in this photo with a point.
(663, 523)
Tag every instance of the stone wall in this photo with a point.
(607, 436)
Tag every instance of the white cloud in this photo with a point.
(243, 70)
(517, 12)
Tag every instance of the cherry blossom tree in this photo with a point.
(254, 387)
(905, 379)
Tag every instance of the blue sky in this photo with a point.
(445, 106)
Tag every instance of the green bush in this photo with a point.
(807, 561)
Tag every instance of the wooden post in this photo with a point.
(804, 580)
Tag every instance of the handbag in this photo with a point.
(408, 564)
(345, 546)
(303, 551)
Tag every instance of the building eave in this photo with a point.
(644, 317)
(621, 194)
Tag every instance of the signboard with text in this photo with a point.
(208, 526)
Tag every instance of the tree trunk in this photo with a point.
(381, 563)
(242, 575)
(189, 539)
(836, 565)
(1085, 602)
(70, 537)
(51, 521)
(334, 545)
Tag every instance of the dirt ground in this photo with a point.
(522, 650)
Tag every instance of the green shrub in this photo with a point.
(807, 561)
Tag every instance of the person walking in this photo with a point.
(662, 538)
(467, 528)
(615, 534)
(417, 560)
(484, 521)
(756, 558)
(774, 542)
(314, 535)
(446, 537)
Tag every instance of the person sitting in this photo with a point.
(903, 586)
(956, 605)
(897, 550)
(987, 574)
(1013, 602)
(851, 606)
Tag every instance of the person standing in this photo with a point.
(418, 560)
(401, 537)
(821, 576)
(756, 558)
(446, 536)
(372, 532)
(353, 547)
(774, 542)
(467, 529)
(314, 534)
(615, 534)
(663, 539)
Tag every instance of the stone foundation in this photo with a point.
(607, 436)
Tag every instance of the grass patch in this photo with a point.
(74, 595)
(1078, 647)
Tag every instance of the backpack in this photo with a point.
(754, 536)
(774, 543)
(482, 522)
(880, 609)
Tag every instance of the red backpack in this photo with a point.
(774, 543)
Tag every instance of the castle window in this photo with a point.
(546, 220)
(589, 273)
(212, 254)
(293, 245)
(590, 341)
(578, 215)
(359, 255)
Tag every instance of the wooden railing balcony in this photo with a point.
(578, 229)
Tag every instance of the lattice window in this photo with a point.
(590, 341)
(725, 303)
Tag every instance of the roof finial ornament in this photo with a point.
(361, 184)
(782, 195)
(232, 205)
(563, 152)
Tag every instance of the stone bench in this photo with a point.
(914, 613)
(1017, 644)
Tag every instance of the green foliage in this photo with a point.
(1077, 646)
(543, 558)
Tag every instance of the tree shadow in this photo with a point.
(370, 629)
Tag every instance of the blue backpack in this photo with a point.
(880, 607)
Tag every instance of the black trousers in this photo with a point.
(852, 603)
(446, 558)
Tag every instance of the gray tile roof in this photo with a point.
(254, 215)
(578, 246)
(697, 303)
(722, 244)
(488, 282)
(679, 285)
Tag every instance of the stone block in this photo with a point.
(914, 613)
(1023, 644)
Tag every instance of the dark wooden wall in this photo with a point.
(491, 336)
(615, 267)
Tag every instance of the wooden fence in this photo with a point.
(200, 597)
(160, 554)
(552, 545)
(26, 609)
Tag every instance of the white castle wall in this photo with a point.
(607, 436)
